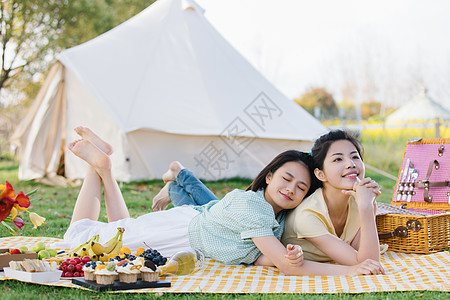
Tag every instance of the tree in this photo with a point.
(319, 97)
(33, 31)
(370, 109)
(24, 35)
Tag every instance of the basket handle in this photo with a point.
(430, 184)
(426, 194)
(400, 232)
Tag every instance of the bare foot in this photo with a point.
(90, 153)
(89, 135)
(162, 199)
(171, 175)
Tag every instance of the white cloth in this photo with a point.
(165, 231)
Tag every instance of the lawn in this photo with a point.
(56, 204)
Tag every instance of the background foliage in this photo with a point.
(33, 32)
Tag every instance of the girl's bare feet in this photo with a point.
(89, 135)
(162, 199)
(90, 153)
(171, 175)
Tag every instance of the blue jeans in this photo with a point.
(189, 190)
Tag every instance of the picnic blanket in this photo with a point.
(404, 272)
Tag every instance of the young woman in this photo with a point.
(337, 222)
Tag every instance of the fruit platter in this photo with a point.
(100, 266)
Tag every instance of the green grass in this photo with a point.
(18, 290)
(56, 204)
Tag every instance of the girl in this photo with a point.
(337, 222)
(234, 230)
(243, 227)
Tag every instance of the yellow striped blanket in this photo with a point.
(404, 272)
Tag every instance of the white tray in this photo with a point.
(37, 277)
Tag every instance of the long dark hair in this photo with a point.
(291, 155)
(322, 144)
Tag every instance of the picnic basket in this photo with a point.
(418, 219)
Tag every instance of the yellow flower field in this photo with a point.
(384, 147)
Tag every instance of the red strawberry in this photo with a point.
(85, 259)
(14, 251)
(77, 260)
(76, 274)
(68, 274)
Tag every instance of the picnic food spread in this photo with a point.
(110, 263)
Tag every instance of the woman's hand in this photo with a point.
(294, 254)
(365, 192)
(288, 260)
(367, 267)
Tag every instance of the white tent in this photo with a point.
(162, 86)
(421, 108)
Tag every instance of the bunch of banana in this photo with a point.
(112, 246)
(84, 249)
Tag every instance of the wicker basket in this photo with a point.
(415, 232)
(419, 225)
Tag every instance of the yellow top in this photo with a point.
(311, 219)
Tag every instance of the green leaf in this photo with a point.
(9, 220)
(10, 229)
(31, 193)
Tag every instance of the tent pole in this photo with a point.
(437, 129)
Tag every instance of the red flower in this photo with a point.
(22, 200)
(8, 200)
(6, 204)
(18, 222)
(7, 191)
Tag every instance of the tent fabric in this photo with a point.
(162, 86)
(40, 135)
